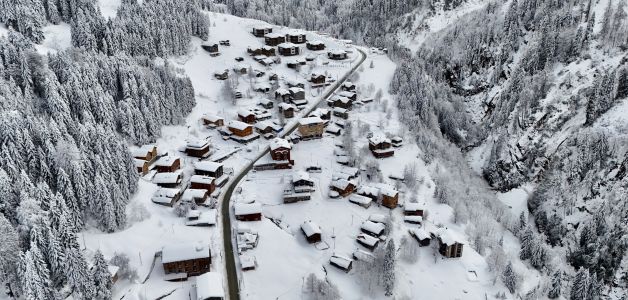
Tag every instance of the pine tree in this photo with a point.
(557, 285)
(526, 244)
(101, 277)
(580, 285)
(389, 268)
(77, 275)
(510, 278)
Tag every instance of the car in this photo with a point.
(239, 58)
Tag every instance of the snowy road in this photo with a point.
(230, 265)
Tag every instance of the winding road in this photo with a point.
(233, 291)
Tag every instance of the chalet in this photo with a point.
(372, 228)
(224, 42)
(152, 149)
(203, 182)
(248, 262)
(362, 255)
(380, 147)
(288, 49)
(343, 187)
(246, 116)
(317, 78)
(268, 51)
(295, 37)
(273, 76)
(262, 30)
(254, 51)
(266, 62)
(265, 103)
(208, 287)
(360, 200)
(367, 241)
(287, 110)
(390, 197)
(213, 119)
(201, 219)
(261, 87)
(247, 241)
(297, 93)
(168, 164)
(280, 149)
(198, 196)
(348, 86)
(369, 191)
(421, 236)
(342, 102)
(413, 219)
(242, 132)
(312, 232)
(301, 181)
(315, 45)
(413, 209)
(324, 114)
(450, 244)
(168, 180)
(293, 194)
(241, 68)
(341, 113)
(113, 271)
(333, 129)
(142, 166)
(185, 259)
(248, 212)
(294, 83)
(341, 262)
(282, 95)
(313, 168)
(222, 75)
(166, 197)
(377, 218)
(208, 168)
(337, 54)
(397, 141)
(397, 176)
(210, 47)
(311, 128)
(274, 39)
(310, 57)
(343, 160)
(263, 127)
(351, 95)
(143, 154)
(352, 172)
(292, 64)
(367, 100)
(197, 148)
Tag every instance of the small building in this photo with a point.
(294, 83)
(241, 129)
(295, 37)
(143, 154)
(208, 168)
(361, 255)
(369, 191)
(342, 102)
(367, 241)
(333, 129)
(272, 76)
(201, 219)
(450, 244)
(297, 93)
(287, 110)
(390, 198)
(348, 86)
(317, 78)
(360, 200)
(248, 212)
(203, 182)
(351, 95)
(263, 127)
(341, 113)
(282, 95)
(198, 196)
(213, 119)
(288, 49)
(168, 164)
(315, 45)
(292, 64)
(343, 187)
(397, 141)
(337, 54)
(188, 259)
(210, 47)
(341, 262)
(247, 241)
(310, 57)
(166, 196)
(197, 148)
(262, 87)
(280, 149)
(246, 116)
(372, 228)
(222, 75)
(324, 114)
(209, 287)
(262, 30)
(380, 147)
(241, 68)
(421, 236)
(142, 166)
(301, 181)
(274, 39)
(312, 232)
(292, 194)
(311, 128)
(265, 103)
(168, 180)
(248, 262)
(413, 209)
(413, 219)
(268, 51)
(113, 271)
(377, 218)
(254, 51)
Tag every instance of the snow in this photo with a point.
(166, 161)
(516, 199)
(277, 143)
(310, 228)
(310, 120)
(341, 260)
(287, 45)
(139, 162)
(167, 177)
(247, 261)
(56, 38)
(166, 192)
(242, 209)
(367, 239)
(208, 166)
(413, 219)
(420, 233)
(140, 152)
(374, 228)
(113, 270)
(204, 218)
(377, 218)
(190, 194)
(376, 140)
(197, 143)
(360, 199)
(300, 175)
(239, 125)
(202, 179)
(209, 285)
(448, 236)
(244, 113)
(408, 206)
(184, 251)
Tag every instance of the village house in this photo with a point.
(272, 76)
(372, 228)
(390, 198)
(282, 95)
(333, 129)
(248, 262)
(287, 110)
(183, 260)
(295, 37)
(168, 180)
(142, 166)
(342, 102)
(317, 78)
(254, 51)
(341, 262)
(292, 195)
(343, 187)
(292, 64)
(246, 116)
(413, 219)
(367, 241)
(324, 114)
(198, 196)
(312, 232)
(341, 113)
(210, 47)
(274, 39)
(302, 182)
(413, 209)
(288, 49)
(241, 68)
(337, 54)
(380, 147)
(166, 196)
(351, 95)
(262, 87)
(378, 218)
(348, 86)
(263, 127)
(222, 75)
(280, 150)
(152, 149)
(246, 239)
(268, 51)
(294, 83)
(113, 271)
(297, 93)
(208, 287)
(421, 236)
(143, 154)
(241, 129)
(450, 244)
(203, 182)
(248, 212)
(208, 168)
(210, 119)
(310, 57)
(311, 128)
(262, 30)
(315, 45)
(369, 191)
(197, 148)
(360, 200)
(397, 141)
(168, 164)
(265, 103)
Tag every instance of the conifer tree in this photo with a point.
(389, 268)
(510, 278)
(101, 277)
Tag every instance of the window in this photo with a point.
(300, 38)
(292, 50)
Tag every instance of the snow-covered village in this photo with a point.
(318, 150)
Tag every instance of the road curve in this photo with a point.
(233, 291)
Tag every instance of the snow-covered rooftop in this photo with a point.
(261, 27)
(166, 161)
(247, 261)
(242, 209)
(185, 251)
(420, 233)
(279, 143)
(168, 193)
(360, 199)
(141, 152)
(341, 184)
(372, 227)
(205, 218)
(340, 110)
(300, 175)
(196, 143)
(368, 190)
(139, 162)
(389, 192)
(412, 206)
(367, 239)
(448, 237)
(346, 94)
(238, 125)
(190, 194)
(310, 120)
(244, 112)
(211, 117)
(167, 177)
(341, 99)
(296, 90)
(376, 140)
(287, 45)
(113, 270)
(310, 228)
(264, 101)
(413, 219)
(273, 35)
(377, 218)
(337, 51)
(208, 166)
(282, 92)
(202, 179)
(340, 260)
(262, 125)
(209, 286)
(317, 42)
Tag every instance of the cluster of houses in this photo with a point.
(145, 158)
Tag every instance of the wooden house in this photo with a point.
(301, 181)
(317, 78)
(143, 154)
(282, 95)
(413, 209)
(197, 147)
(310, 57)
(324, 114)
(343, 187)
(142, 166)
(265, 103)
(268, 51)
(288, 49)
(294, 83)
(421, 236)
(342, 102)
(213, 119)
(348, 86)
(397, 141)
(360, 200)
(254, 51)
(367, 241)
(262, 30)
(222, 75)
(351, 95)
(312, 232)
(341, 113)
(390, 198)
(246, 116)
(168, 164)
(209, 47)
(274, 39)
(113, 271)
(191, 259)
(310, 128)
(287, 110)
(292, 64)
(450, 244)
(248, 262)
(296, 93)
(272, 76)
(295, 37)
(208, 168)
(262, 87)
(341, 262)
(280, 149)
(166, 196)
(203, 182)
(333, 129)
(337, 54)
(315, 45)
(248, 212)
(241, 68)
(241, 129)
(372, 228)
(380, 147)
(263, 127)
(168, 180)
(209, 287)
(198, 196)
(152, 149)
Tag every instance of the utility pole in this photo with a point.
(140, 255)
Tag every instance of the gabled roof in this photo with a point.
(346, 94)
(212, 118)
(340, 110)
(341, 261)
(264, 101)
(262, 125)
(337, 51)
(285, 106)
(377, 218)
(341, 184)
(376, 140)
(310, 120)
(367, 239)
(265, 26)
(287, 45)
(273, 35)
(182, 252)
(279, 143)
(166, 161)
(167, 193)
(420, 233)
(197, 143)
(317, 42)
(208, 166)
(208, 43)
(348, 84)
(239, 125)
(296, 90)
(202, 179)
(191, 194)
(167, 177)
(282, 92)
(244, 112)
(372, 227)
(448, 237)
(360, 199)
(368, 190)
(310, 228)
(209, 286)
(294, 32)
(141, 152)
(242, 209)
(300, 175)
(139, 163)
(291, 81)
(341, 99)
(412, 206)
